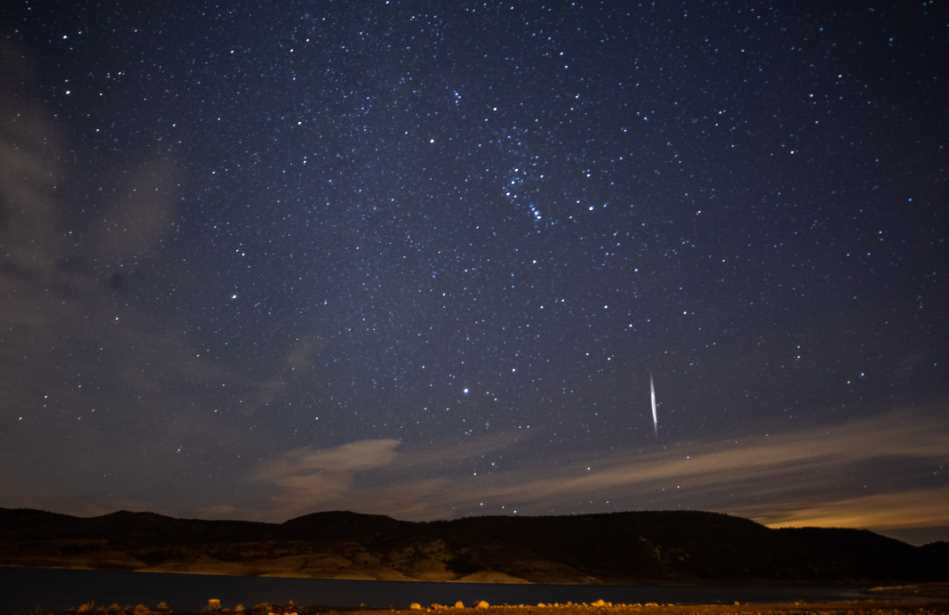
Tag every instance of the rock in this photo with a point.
(141, 609)
(482, 604)
(459, 604)
(600, 602)
(415, 606)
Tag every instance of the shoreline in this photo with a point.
(866, 585)
(897, 605)
(122, 594)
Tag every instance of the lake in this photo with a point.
(22, 589)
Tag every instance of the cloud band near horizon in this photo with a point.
(821, 476)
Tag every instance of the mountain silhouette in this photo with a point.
(598, 548)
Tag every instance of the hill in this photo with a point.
(601, 548)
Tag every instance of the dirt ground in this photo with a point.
(919, 599)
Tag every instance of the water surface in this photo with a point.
(26, 588)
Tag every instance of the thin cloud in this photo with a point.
(150, 381)
(799, 477)
(394, 480)
(348, 458)
(882, 511)
(308, 479)
(142, 210)
(708, 465)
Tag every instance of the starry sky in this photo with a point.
(422, 258)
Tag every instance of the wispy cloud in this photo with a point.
(704, 466)
(308, 479)
(142, 210)
(64, 281)
(346, 459)
(816, 476)
(377, 475)
(31, 172)
(883, 511)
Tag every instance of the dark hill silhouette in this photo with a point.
(341, 525)
(610, 548)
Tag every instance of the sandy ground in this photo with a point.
(881, 607)
(918, 599)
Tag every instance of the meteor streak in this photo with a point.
(652, 401)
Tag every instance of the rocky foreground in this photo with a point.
(916, 599)
(791, 608)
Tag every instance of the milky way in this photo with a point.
(404, 258)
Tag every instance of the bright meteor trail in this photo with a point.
(652, 401)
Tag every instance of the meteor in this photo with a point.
(652, 402)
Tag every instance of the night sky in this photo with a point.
(421, 259)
